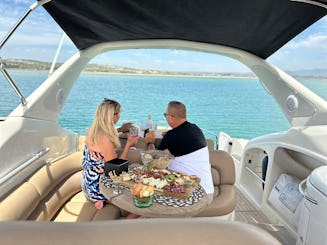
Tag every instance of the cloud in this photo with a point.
(179, 52)
(28, 40)
(140, 54)
(306, 51)
(313, 41)
(25, 2)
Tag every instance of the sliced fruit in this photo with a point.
(170, 178)
(147, 191)
(136, 189)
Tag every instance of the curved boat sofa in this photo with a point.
(140, 231)
(53, 193)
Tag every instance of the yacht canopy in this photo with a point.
(260, 27)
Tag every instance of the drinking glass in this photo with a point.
(134, 131)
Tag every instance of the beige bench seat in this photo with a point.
(53, 193)
(140, 231)
(43, 194)
(79, 209)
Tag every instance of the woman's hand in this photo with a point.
(97, 156)
(98, 170)
(131, 141)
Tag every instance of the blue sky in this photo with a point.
(39, 36)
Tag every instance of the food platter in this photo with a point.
(165, 181)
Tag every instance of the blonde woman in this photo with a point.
(100, 143)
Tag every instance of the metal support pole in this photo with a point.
(57, 54)
(11, 82)
(31, 8)
(14, 28)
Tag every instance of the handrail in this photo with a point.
(304, 193)
(255, 174)
(213, 134)
(24, 165)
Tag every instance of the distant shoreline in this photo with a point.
(31, 65)
(177, 75)
(171, 75)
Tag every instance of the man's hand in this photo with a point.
(125, 127)
(149, 138)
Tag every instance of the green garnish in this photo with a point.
(148, 167)
(170, 178)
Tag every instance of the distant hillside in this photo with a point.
(309, 73)
(27, 64)
(38, 65)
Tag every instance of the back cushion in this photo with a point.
(53, 173)
(19, 204)
(215, 176)
(223, 169)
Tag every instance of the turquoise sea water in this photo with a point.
(238, 106)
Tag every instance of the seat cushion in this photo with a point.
(79, 209)
(57, 197)
(19, 204)
(53, 173)
(222, 162)
(224, 202)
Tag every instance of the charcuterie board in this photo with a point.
(166, 182)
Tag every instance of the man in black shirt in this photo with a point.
(184, 137)
(187, 143)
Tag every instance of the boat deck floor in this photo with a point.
(246, 212)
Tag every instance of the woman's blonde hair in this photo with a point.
(103, 123)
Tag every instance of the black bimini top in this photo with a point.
(260, 27)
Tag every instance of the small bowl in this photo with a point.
(159, 159)
(161, 163)
(146, 158)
